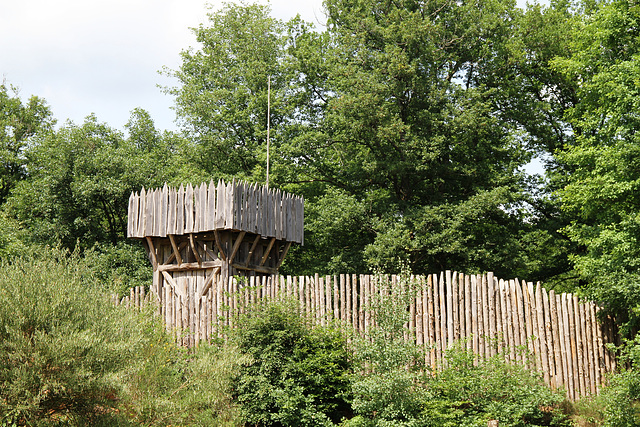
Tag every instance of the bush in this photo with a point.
(60, 340)
(68, 356)
(621, 397)
(493, 388)
(298, 375)
(170, 385)
(396, 389)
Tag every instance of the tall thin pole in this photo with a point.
(268, 122)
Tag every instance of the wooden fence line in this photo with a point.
(564, 337)
(236, 206)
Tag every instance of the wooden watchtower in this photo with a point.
(203, 235)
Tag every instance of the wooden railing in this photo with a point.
(557, 334)
(235, 206)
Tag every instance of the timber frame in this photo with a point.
(196, 237)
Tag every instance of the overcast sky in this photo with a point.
(103, 56)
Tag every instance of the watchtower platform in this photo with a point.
(197, 236)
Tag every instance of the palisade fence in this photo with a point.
(222, 206)
(562, 337)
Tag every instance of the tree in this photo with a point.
(406, 135)
(222, 100)
(80, 179)
(600, 192)
(18, 123)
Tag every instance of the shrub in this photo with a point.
(60, 339)
(170, 385)
(493, 388)
(298, 375)
(621, 397)
(68, 356)
(396, 389)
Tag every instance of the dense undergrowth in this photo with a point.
(69, 357)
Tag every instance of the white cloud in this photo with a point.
(103, 57)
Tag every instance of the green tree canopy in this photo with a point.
(19, 122)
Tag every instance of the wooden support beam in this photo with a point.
(176, 251)
(236, 246)
(257, 268)
(173, 284)
(207, 251)
(181, 246)
(190, 266)
(253, 248)
(216, 236)
(284, 254)
(194, 248)
(152, 251)
(208, 282)
(266, 253)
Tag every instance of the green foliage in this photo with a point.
(19, 122)
(60, 339)
(621, 397)
(396, 389)
(599, 189)
(492, 388)
(391, 389)
(298, 376)
(168, 385)
(70, 357)
(119, 267)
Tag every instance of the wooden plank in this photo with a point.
(511, 342)
(164, 207)
(548, 338)
(448, 294)
(419, 313)
(210, 222)
(148, 215)
(569, 346)
(468, 309)
(267, 251)
(287, 246)
(599, 352)
(430, 326)
(171, 212)
(557, 346)
(528, 321)
(455, 307)
(343, 298)
(474, 333)
(579, 342)
(482, 319)
(180, 228)
(188, 209)
(520, 320)
(229, 204)
(562, 341)
(590, 362)
(574, 347)
(442, 314)
(494, 297)
(543, 355)
(437, 317)
(130, 216)
(204, 208)
(142, 215)
(219, 218)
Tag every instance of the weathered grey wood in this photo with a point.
(171, 212)
(555, 333)
(180, 228)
